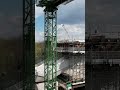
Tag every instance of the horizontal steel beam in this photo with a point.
(42, 3)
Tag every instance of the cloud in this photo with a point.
(72, 13)
(72, 32)
(38, 11)
(39, 36)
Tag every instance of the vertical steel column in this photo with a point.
(50, 38)
(29, 44)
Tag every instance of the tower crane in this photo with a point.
(66, 31)
(50, 37)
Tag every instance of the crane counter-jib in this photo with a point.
(42, 3)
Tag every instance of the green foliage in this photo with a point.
(39, 50)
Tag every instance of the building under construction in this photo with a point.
(70, 66)
(103, 61)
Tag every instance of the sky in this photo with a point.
(72, 16)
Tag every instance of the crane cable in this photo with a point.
(66, 31)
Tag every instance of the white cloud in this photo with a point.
(72, 13)
(39, 36)
(72, 32)
(38, 11)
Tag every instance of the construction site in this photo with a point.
(65, 64)
(70, 66)
(101, 67)
(63, 67)
(69, 71)
(102, 58)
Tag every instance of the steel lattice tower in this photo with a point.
(50, 37)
